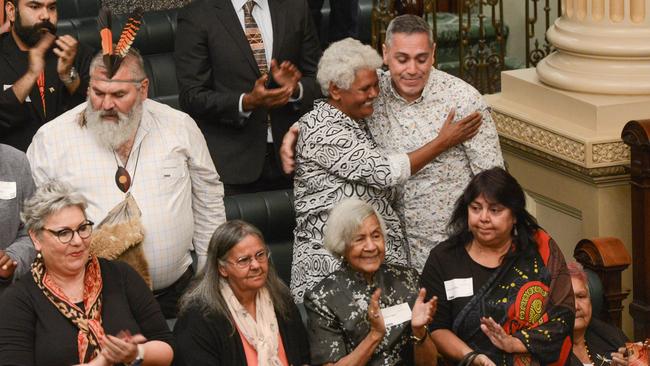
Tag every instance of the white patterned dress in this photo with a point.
(430, 195)
(337, 159)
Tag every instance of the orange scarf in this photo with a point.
(88, 320)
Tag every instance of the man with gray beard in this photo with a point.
(119, 141)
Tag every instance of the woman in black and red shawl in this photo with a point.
(504, 291)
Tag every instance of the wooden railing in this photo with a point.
(607, 257)
(636, 135)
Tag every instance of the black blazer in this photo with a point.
(20, 121)
(215, 65)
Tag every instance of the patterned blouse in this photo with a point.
(430, 195)
(338, 306)
(336, 159)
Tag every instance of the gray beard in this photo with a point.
(109, 133)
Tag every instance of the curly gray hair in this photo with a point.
(49, 199)
(341, 61)
(344, 221)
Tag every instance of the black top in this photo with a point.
(36, 333)
(210, 340)
(20, 121)
(450, 261)
(602, 339)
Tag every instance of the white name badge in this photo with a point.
(459, 287)
(7, 190)
(396, 314)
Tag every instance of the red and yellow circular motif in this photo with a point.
(528, 308)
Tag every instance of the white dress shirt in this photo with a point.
(175, 185)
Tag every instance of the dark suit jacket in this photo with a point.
(215, 65)
(20, 121)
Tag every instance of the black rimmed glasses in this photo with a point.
(65, 235)
(244, 262)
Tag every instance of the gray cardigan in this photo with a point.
(14, 172)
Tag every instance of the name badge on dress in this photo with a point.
(459, 287)
(396, 314)
(7, 190)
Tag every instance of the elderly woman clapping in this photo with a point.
(349, 321)
(238, 311)
(73, 307)
(337, 158)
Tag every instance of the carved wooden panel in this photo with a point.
(607, 257)
(635, 134)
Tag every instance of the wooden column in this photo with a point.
(635, 134)
(608, 258)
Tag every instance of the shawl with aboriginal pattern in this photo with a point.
(532, 298)
(88, 319)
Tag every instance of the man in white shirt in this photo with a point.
(157, 154)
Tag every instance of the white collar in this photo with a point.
(239, 4)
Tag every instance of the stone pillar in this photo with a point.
(560, 124)
(603, 46)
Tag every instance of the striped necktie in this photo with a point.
(254, 37)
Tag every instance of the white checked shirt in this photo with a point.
(175, 185)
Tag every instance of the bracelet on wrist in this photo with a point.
(139, 357)
(70, 77)
(418, 340)
(468, 359)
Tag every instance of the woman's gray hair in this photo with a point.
(341, 61)
(408, 24)
(50, 198)
(204, 291)
(344, 221)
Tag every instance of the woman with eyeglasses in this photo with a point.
(238, 311)
(74, 308)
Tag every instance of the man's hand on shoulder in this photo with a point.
(261, 97)
(288, 149)
(453, 133)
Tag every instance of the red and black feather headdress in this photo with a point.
(113, 57)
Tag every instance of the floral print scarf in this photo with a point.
(88, 319)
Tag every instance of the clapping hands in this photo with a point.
(375, 316)
(423, 312)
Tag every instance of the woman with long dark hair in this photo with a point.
(504, 292)
(238, 312)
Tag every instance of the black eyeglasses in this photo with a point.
(65, 235)
(244, 262)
